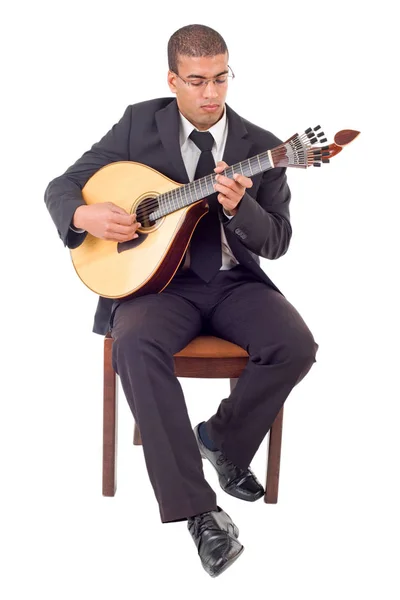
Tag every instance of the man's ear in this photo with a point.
(172, 81)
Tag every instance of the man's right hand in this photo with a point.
(106, 221)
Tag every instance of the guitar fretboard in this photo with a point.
(201, 188)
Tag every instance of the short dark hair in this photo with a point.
(194, 40)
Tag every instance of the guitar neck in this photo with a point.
(299, 151)
(202, 188)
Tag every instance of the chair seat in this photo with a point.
(206, 356)
(209, 346)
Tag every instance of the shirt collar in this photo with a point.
(217, 130)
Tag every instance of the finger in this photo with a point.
(117, 209)
(123, 219)
(240, 182)
(231, 193)
(121, 229)
(220, 166)
(227, 181)
(246, 182)
(226, 202)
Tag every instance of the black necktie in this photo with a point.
(205, 245)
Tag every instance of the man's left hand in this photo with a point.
(231, 191)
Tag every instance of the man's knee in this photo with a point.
(303, 348)
(303, 351)
(298, 350)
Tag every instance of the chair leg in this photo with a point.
(273, 456)
(137, 439)
(110, 407)
(274, 460)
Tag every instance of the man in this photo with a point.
(219, 288)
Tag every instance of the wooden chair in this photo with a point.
(205, 356)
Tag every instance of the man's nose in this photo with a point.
(210, 89)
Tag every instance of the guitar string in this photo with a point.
(154, 203)
(175, 194)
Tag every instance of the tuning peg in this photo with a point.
(316, 164)
(317, 127)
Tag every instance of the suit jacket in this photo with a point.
(148, 133)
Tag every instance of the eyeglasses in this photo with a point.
(203, 83)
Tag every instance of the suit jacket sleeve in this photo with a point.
(63, 195)
(262, 222)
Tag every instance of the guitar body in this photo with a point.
(148, 263)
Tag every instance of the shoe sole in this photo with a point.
(250, 499)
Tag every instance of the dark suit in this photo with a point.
(148, 133)
(241, 304)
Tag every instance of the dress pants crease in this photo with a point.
(147, 332)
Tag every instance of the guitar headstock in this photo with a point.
(303, 151)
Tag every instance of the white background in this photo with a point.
(69, 70)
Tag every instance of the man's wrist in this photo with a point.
(228, 213)
(77, 222)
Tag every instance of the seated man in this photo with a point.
(219, 288)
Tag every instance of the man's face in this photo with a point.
(202, 105)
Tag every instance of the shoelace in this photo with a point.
(203, 522)
(222, 459)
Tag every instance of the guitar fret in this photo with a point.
(209, 184)
(203, 187)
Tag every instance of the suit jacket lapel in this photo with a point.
(167, 120)
(236, 149)
(237, 146)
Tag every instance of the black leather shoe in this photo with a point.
(233, 480)
(215, 536)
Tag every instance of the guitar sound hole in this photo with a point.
(144, 209)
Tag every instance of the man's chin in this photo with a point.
(211, 117)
